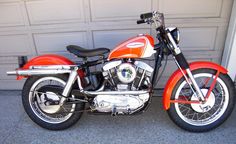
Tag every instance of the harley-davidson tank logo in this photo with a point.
(135, 45)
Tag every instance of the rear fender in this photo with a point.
(49, 59)
(177, 75)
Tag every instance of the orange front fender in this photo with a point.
(49, 59)
(176, 76)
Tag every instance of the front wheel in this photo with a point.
(42, 104)
(206, 116)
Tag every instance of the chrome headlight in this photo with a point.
(175, 34)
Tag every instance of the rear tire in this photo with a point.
(189, 116)
(47, 118)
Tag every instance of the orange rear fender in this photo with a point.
(49, 59)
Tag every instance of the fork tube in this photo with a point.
(183, 64)
(199, 92)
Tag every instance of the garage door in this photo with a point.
(35, 27)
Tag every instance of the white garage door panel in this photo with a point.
(203, 54)
(119, 9)
(8, 60)
(190, 8)
(171, 66)
(198, 38)
(112, 38)
(35, 27)
(14, 45)
(7, 67)
(57, 42)
(11, 14)
(170, 69)
(54, 11)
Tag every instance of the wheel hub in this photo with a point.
(203, 107)
(49, 102)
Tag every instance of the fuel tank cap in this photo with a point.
(140, 35)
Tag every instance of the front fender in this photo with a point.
(49, 59)
(176, 76)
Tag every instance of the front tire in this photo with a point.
(208, 116)
(35, 101)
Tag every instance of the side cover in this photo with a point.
(177, 75)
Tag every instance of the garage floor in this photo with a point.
(154, 126)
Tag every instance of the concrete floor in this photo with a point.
(154, 126)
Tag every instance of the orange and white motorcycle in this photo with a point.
(198, 97)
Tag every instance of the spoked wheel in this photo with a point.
(42, 103)
(204, 116)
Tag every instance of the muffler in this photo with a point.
(116, 92)
(43, 70)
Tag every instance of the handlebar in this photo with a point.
(141, 21)
(152, 17)
(146, 15)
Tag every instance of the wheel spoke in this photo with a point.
(190, 113)
(46, 109)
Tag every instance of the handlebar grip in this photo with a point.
(146, 15)
(140, 21)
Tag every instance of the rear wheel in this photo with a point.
(208, 115)
(42, 104)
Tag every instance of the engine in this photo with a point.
(128, 75)
(124, 76)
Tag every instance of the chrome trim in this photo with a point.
(210, 118)
(53, 67)
(199, 92)
(111, 65)
(34, 105)
(70, 82)
(170, 28)
(38, 72)
(102, 86)
(79, 83)
(176, 48)
(116, 92)
(11, 73)
(187, 80)
(43, 70)
(144, 66)
(178, 33)
(141, 78)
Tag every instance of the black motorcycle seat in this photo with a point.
(83, 53)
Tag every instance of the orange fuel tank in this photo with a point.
(141, 46)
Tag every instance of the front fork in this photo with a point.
(191, 80)
(183, 64)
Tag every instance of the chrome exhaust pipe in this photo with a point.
(43, 70)
(53, 67)
(11, 73)
(115, 92)
(37, 72)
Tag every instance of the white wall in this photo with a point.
(232, 60)
(229, 55)
(34, 27)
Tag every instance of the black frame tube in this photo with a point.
(182, 61)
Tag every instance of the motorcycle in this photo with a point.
(198, 97)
